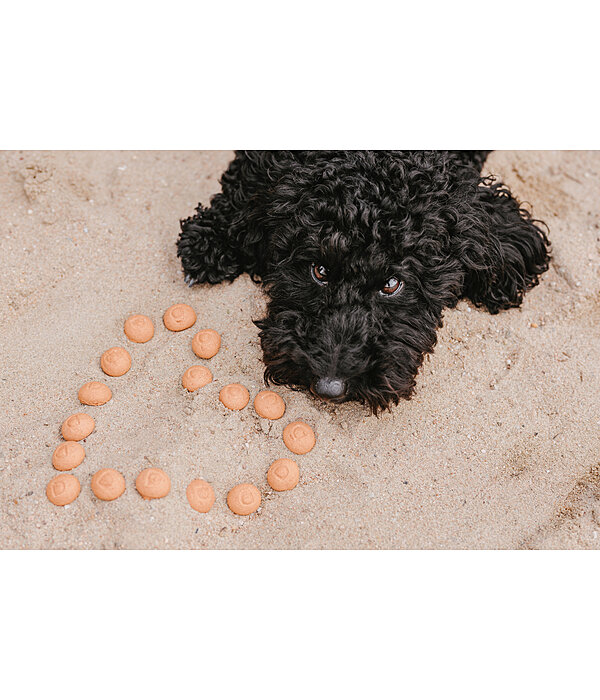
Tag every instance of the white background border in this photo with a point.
(317, 74)
(491, 625)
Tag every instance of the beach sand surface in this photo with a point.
(500, 447)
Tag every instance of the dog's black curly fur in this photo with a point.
(426, 218)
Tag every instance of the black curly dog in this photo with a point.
(360, 253)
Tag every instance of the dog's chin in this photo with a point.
(375, 404)
(376, 400)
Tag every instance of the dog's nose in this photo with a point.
(330, 388)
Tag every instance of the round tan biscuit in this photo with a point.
(94, 394)
(283, 474)
(200, 495)
(243, 499)
(67, 456)
(115, 362)
(269, 405)
(153, 483)
(206, 343)
(179, 317)
(234, 396)
(78, 426)
(196, 377)
(299, 437)
(108, 484)
(139, 328)
(63, 489)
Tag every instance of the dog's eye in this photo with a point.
(319, 273)
(391, 287)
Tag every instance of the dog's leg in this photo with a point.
(204, 243)
(503, 250)
(213, 244)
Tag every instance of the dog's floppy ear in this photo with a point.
(502, 250)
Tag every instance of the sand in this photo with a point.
(500, 448)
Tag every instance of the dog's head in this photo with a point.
(364, 255)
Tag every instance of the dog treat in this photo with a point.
(179, 317)
(139, 328)
(269, 405)
(94, 394)
(196, 377)
(299, 437)
(200, 495)
(234, 396)
(78, 426)
(153, 483)
(206, 343)
(115, 362)
(108, 484)
(283, 474)
(243, 499)
(63, 489)
(68, 456)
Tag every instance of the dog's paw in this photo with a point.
(204, 252)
